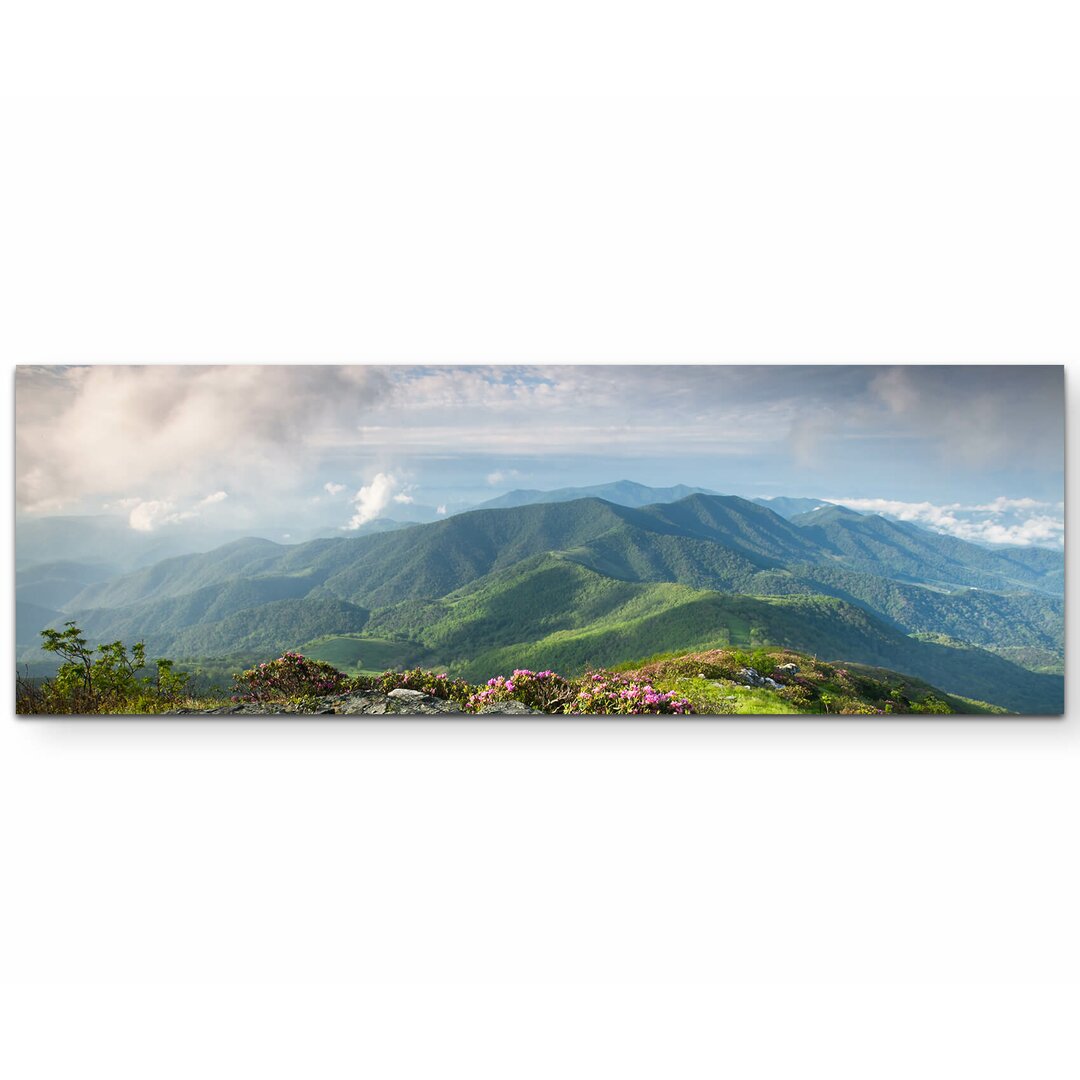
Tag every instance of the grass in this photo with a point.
(917, 688)
(807, 685)
(356, 654)
(718, 697)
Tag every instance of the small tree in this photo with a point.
(109, 681)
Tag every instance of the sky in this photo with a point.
(975, 451)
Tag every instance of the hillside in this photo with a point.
(787, 507)
(769, 681)
(904, 551)
(622, 493)
(589, 581)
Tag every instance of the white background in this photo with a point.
(570, 182)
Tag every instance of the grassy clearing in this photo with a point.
(356, 654)
(717, 697)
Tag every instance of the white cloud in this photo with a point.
(151, 514)
(121, 504)
(372, 499)
(146, 515)
(1000, 521)
(401, 497)
(265, 434)
(440, 509)
(180, 431)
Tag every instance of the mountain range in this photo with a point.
(567, 581)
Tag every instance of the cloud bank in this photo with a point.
(152, 442)
(169, 433)
(1022, 522)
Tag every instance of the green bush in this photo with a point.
(428, 682)
(289, 676)
(102, 680)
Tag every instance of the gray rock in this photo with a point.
(510, 708)
(787, 669)
(363, 705)
(414, 696)
(750, 677)
(398, 702)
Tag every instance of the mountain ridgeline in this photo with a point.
(587, 581)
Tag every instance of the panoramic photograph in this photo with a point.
(575, 540)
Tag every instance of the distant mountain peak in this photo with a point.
(621, 492)
(828, 512)
(789, 507)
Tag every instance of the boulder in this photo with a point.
(397, 702)
(510, 708)
(749, 677)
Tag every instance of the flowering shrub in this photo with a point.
(538, 689)
(606, 692)
(859, 708)
(440, 686)
(798, 692)
(289, 676)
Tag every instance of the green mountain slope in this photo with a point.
(54, 584)
(426, 561)
(558, 614)
(981, 617)
(596, 582)
(158, 622)
(896, 549)
(269, 629)
(183, 574)
(29, 620)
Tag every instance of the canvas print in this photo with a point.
(539, 540)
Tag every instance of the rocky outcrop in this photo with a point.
(509, 708)
(749, 677)
(399, 702)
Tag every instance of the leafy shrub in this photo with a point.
(798, 693)
(428, 682)
(858, 708)
(761, 660)
(105, 679)
(707, 697)
(289, 676)
(542, 690)
(930, 704)
(306, 703)
(596, 692)
(605, 692)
